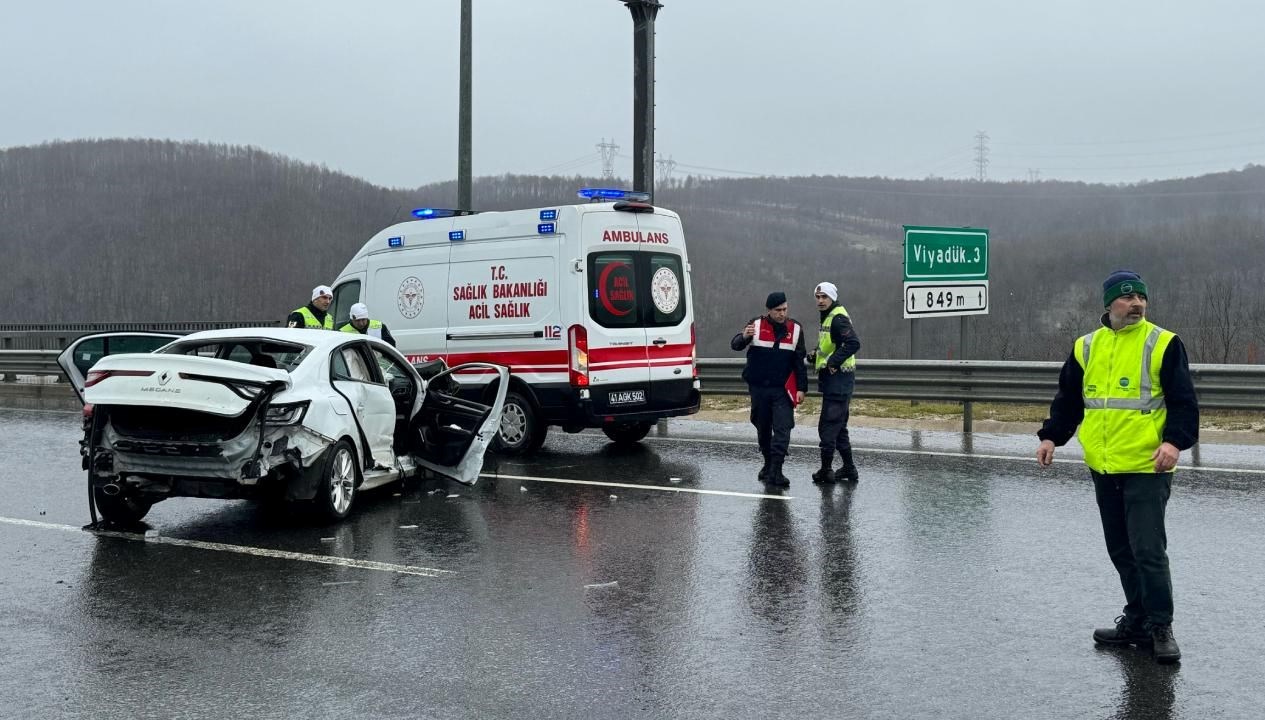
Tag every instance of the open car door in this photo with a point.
(450, 433)
(79, 356)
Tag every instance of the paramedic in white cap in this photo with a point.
(360, 323)
(315, 314)
(835, 362)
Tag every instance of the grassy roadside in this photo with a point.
(738, 406)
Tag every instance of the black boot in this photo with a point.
(824, 475)
(1128, 631)
(764, 470)
(849, 470)
(1164, 645)
(775, 476)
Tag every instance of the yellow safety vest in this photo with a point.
(826, 346)
(1124, 403)
(374, 329)
(310, 321)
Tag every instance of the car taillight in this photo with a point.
(578, 342)
(693, 352)
(96, 376)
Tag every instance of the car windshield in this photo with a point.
(249, 351)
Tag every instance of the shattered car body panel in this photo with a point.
(258, 412)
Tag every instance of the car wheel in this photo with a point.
(337, 490)
(521, 430)
(120, 509)
(627, 433)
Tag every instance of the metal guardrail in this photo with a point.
(54, 336)
(1226, 387)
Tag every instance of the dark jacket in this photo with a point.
(1181, 427)
(844, 337)
(771, 367)
(296, 320)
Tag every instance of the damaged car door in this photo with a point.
(450, 433)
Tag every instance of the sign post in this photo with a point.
(946, 275)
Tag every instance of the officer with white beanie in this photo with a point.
(361, 323)
(835, 362)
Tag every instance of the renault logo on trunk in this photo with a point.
(164, 378)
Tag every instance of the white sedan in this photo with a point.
(274, 413)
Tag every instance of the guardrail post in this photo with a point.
(7, 377)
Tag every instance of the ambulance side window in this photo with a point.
(613, 290)
(345, 296)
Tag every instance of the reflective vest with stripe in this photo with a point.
(310, 321)
(374, 329)
(1124, 403)
(826, 346)
(765, 338)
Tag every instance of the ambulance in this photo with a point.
(589, 305)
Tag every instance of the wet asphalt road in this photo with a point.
(943, 585)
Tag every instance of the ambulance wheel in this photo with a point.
(521, 430)
(627, 433)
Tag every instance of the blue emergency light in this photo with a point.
(395, 242)
(429, 213)
(546, 228)
(457, 235)
(613, 194)
(548, 214)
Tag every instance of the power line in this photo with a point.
(1148, 153)
(1198, 136)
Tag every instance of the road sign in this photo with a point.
(936, 253)
(946, 299)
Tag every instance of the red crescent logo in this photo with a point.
(603, 295)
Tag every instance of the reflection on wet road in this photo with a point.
(661, 581)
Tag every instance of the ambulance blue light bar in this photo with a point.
(613, 194)
(429, 213)
(546, 228)
(548, 214)
(395, 242)
(457, 235)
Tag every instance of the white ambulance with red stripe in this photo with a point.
(589, 306)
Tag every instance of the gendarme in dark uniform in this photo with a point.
(777, 380)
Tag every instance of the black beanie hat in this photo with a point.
(1121, 282)
(775, 299)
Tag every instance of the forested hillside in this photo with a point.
(144, 230)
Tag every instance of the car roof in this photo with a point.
(315, 338)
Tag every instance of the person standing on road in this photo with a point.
(360, 323)
(835, 361)
(776, 379)
(316, 313)
(1128, 386)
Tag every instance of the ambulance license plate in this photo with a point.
(626, 397)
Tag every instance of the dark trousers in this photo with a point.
(1132, 509)
(832, 426)
(773, 416)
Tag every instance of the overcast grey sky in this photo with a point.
(1097, 90)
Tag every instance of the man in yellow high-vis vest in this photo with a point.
(360, 322)
(1128, 386)
(835, 361)
(315, 315)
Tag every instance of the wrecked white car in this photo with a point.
(284, 414)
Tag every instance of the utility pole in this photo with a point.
(464, 168)
(608, 151)
(981, 155)
(643, 15)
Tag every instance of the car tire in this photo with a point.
(337, 490)
(627, 433)
(120, 509)
(521, 430)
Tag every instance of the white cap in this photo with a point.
(827, 288)
(322, 290)
(359, 311)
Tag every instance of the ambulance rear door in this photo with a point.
(618, 364)
(667, 313)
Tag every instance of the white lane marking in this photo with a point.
(661, 488)
(243, 550)
(945, 453)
